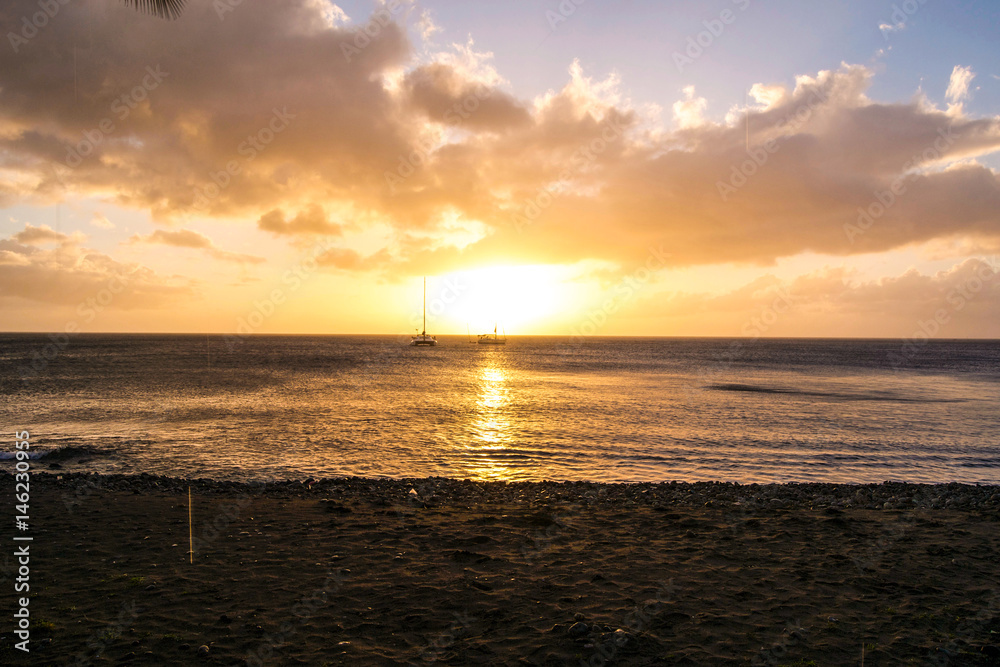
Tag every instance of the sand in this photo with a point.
(366, 572)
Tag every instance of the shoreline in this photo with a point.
(787, 495)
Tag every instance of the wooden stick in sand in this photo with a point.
(190, 532)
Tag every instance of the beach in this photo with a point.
(358, 571)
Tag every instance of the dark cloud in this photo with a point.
(183, 238)
(254, 114)
(351, 260)
(312, 220)
(213, 101)
(186, 238)
(32, 235)
(446, 97)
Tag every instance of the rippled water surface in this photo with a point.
(610, 409)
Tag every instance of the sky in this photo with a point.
(688, 168)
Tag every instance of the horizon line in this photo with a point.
(456, 335)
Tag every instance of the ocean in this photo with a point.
(555, 408)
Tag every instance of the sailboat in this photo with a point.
(493, 338)
(423, 338)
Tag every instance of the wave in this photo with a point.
(58, 454)
(758, 389)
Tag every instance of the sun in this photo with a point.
(518, 299)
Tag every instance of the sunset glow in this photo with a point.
(660, 171)
(521, 298)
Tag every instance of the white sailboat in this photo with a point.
(423, 338)
(493, 338)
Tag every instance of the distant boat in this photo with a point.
(493, 338)
(423, 338)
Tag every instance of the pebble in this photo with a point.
(721, 495)
(203, 650)
(578, 629)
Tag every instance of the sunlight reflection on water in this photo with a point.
(537, 408)
(490, 424)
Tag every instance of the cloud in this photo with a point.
(370, 141)
(162, 153)
(963, 300)
(689, 112)
(43, 234)
(832, 154)
(182, 238)
(186, 238)
(958, 86)
(426, 26)
(769, 96)
(311, 220)
(889, 28)
(333, 13)
(70, 274)
(446, 97)
(101, 222)
(350, 260)
(11, 258)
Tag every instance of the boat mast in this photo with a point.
(425, 307)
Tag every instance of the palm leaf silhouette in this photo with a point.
(165, 9)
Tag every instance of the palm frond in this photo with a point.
(165, 9)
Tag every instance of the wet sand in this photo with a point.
(394, 572)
